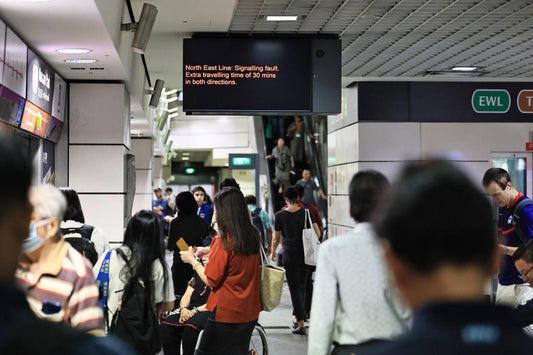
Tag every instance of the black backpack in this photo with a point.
(258, 223)
(84, 244)
(524, 235)
(136, 321)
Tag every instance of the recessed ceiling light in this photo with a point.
(282, 18)
(74, 51)
(185, 153)
(80, 61)
(185, 158)
(464, 68)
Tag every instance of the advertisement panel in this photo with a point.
(15, 64)
(60, 98)
(40, 82)
(35, 120)
(2, 49)
(48, 163)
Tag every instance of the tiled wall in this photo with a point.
(385, 146)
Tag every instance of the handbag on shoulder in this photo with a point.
(310, 241)
(271, 283)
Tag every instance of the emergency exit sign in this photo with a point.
(242, 161)
(491, 101)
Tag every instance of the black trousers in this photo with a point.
(368, 347)
(173, 333)
(309, 283)
(225, 338)
(296, 279)
(181, 275)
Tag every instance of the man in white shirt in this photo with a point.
(354, 305)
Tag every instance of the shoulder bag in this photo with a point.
(271, 283)
(310, 241)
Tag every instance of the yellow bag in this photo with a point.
(271, 283)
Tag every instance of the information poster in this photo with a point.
(40, 82)
(48, 163)
(60, 98)
(35, 120)
(2, 49)
(15, 64)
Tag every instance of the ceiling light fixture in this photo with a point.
(74, 51)
(170, 92)
(172, 115)
(185, 158)
(464, 68)
(172, 110)
(185, 153)
(282, 18)
(80, 61)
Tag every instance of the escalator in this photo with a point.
(314, 145)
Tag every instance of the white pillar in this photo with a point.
(99, 138)
(142, 148)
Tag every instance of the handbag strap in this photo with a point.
(264, 259)
(307, 219)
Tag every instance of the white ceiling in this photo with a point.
(380, 38)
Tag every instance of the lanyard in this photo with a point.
(102, 281)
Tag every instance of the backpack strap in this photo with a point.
(517, 217)
(86, 231)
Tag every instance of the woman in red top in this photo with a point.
(234, 275)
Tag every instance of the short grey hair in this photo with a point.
(48, 201)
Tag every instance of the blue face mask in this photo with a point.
(33, 242)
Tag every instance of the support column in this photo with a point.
(142, 148)
(99, 139)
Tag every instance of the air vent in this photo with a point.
(99, 68)
(77, 68)
(457, 74)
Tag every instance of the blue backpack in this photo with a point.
(524, 235)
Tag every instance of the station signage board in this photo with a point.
(525, 101)
(2, 49)
(491, 101)
(40, 82)
(242, 161)
(15, 64)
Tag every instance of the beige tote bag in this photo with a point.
(271, 283)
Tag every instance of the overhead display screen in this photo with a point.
(247, 75)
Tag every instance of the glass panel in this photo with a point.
(516, 167)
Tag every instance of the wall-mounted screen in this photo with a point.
(40, 85)
(35, 120)
(259, 75)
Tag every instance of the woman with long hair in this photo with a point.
(192, 229)
(234, 275)
(143, 248)
(73, 224)
(291, 223)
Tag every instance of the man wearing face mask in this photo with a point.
(57, 280)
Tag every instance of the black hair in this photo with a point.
(497, 175)
(233, 219)
(198, 188)
(250, 200)
(74, 211)
(300, 190)
(524, 252)
(229, 182)
(365, 189)
(144, 238)
(434, 215)
(168, 189)
(207, 200)
(186, 204)
(291, 194)
(15, 174)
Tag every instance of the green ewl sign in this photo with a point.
(491, 101)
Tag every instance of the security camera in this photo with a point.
(156, 93)
(142, 29)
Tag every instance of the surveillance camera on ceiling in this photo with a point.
(143, 28)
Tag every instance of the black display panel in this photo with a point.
(252, 75)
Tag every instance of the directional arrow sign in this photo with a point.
(491, 101)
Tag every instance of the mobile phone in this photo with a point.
(182, 245)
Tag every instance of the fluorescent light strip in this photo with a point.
(282, 18)
(185, 158)
(172, 110)
(74, 51)
(80, 61)
(173, 91)
(172, 115)
(464, 68)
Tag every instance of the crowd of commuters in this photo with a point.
(410, 278)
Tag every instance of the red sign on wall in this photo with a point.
(529, 145)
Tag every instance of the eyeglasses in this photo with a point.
(524, 276)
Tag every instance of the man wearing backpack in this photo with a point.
(512, 290)
(261, 221)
